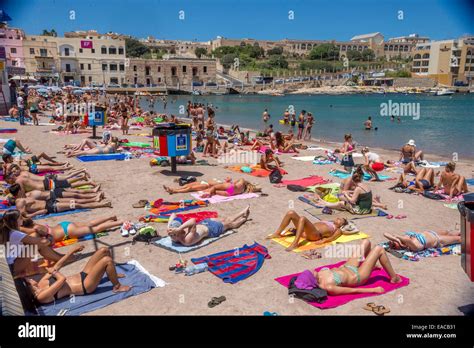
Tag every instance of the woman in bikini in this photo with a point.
(124, 114)
(195, 186)
(70, 230)
(110, 147)
(231, 189)
(347, 149)
(355, 272)
(424, 180)
(54, 285)
(319, 232)
(283, 145)
(417, 241)
(348, 186)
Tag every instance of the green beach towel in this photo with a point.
(136, 144)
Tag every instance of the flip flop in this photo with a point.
(141, 204)
(389, 216)
(369, 306)
(215, 301)
(380, 310)
(401, 216)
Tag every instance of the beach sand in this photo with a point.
(438, 286)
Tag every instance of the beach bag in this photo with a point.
(313, 295)
(296, 188)
(186, 180)
(146, 234)
(347, 161)
(275, 176)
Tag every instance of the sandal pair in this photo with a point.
(379, 310)
(215, 301)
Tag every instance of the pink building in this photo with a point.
(12, 40)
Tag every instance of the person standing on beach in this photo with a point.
(301, 121)
(292, 120)
(309, 125)
(20, 102)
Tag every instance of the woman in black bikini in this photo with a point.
(55, 285)
(124, 114)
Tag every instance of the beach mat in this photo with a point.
(136, 144)
(8, 130)
(342, 175)
(168, 244)
(317, 213)
(308, 201)
(256, 171)
(305, 245)
(470, 182)
(136, 276)
(378, 277)
(103, 157)
(69, 212)
(454, 249)
(216, 199)
(198, 216)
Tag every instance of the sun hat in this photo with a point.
(411, 142)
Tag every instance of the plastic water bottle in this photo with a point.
(195, 269)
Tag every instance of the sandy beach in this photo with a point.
(438, 286)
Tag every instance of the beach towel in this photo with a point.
(308, 201)
(161, 207)
(199, 216)
(378, 277)
(216, 199)
(303, 158)
(470, 182)
(136, 144)
(8, 130)
(322, 162)
(136, 276)
(68, 212)
(306, 182)
(236, 264)
(71, 241)
(305, 245)
(168, 244)
(342, 175)
(256, 171)
(453, 249)
(317, 213)
(102, 157)
(335, 187)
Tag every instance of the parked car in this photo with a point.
(279, 81)
(211, 84)
(197, 84)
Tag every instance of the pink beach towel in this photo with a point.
(306, 182)
(220, 199)
(378, 278)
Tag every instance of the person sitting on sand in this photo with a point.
(372, 163)
(320, 232)
(70, 230)
(424, 180)
(192, 232)
(267, 158)
(12, 144)
(54, 285)
(452, 184)
(195, 186)
(348, 186)
(31, 207)
(94, 149)
(9, 233)
(409, 153)
(418, 241)
(358, 202)
(355, 272)
(230, 188)
(284, 146)
(13, 112)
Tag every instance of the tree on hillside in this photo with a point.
(278, 61)
(324, 51)
(228, 60)
(135, 48)
(354, 55)
(200, 51)
(275, 51)
(368, 55)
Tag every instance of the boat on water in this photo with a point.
(444, 91)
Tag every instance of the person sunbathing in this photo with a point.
(31, 207)
(195, 186)
(9, 233)
(110, 147)
(14, 168)
(18, 192)
(267, 158)
(283, 145)
(69, 230)
(12, 144)
(231, 189)
(452, 184)
(54, 285)
(355, 272)
(424, 180)
(192, 232)
(33, 164)
(319, 232)
(409, 153)
(418, 241)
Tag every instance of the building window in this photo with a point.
(134, 68)
(184, 69)
(159, 69)
(114, 80)
(92, 50)
(90, 78)
(14, 62)
(121, 50)
(112, 50)
(135, 80)
(173, 71)
(204, 69)
(104, 67)
(43, 52)
(68, 67)
(195, 71)
(122, 67)
(80, 50)
(148, 81)
(89, 67)
(103, 50)
(113, 67)
(426, 56)
(159, 79)
(83, 80)
(13, 50)
(147, 70)
(66, 51)
(32, 51)
(82, 66)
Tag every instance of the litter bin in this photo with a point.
(466, 209)
(96, 118)
(170, 139)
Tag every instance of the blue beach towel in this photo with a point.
(135, 276)
(343, 175)
(103, 157)
(168, 244)
(470, 182)
(45, 216)
(308, 201)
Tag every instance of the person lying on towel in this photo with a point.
(54, 285)
(196, 186)
(319, 232)
(424, 180)
(94, 149)
(34, 164)
(347, 278)
(58, 193)
(191, 232)
(418, 241)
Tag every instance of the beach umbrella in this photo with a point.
(78, 91)
(55, 89)
(4, 17)
(37, 87)
(42, 90)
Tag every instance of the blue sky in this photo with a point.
(259, 19)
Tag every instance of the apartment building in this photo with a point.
(171, 72)
(41, 58)
(11, 45)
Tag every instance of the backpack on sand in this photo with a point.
(313, 295)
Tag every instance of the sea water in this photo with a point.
(441, 125)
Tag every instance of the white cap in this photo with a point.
(411, 142)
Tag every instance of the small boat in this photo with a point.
(444, 91)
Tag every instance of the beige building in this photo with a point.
(178, 48)
(170, 72)
(41, 58)
(447, 61)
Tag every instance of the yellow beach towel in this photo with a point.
(305, 245)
